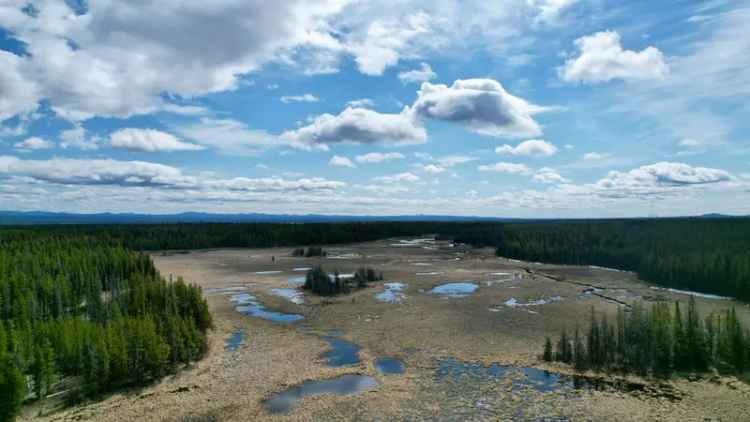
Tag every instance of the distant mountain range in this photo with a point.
(44, 217)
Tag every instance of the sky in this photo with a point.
(519, 108)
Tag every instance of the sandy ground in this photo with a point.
(424, 328)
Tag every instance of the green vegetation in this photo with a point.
(324, 284)
(658, 341)
(82, 306)
(311, 251)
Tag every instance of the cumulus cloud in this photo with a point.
(548, 175)
(433, 169)
(116, 59)
(20, 94)
(482, 105)
(601, 59)
(359, 126)
(305, 98)
(77, 138)
(229, 136)
(385, 41)
(400, 177)
(423, 74)
(453, 160)
(149, 140)
(530, 148)
(339, 161)
(502, 167)
(379, 157)
(32, 144)
(549, 10)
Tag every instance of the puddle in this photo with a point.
(432, 273)
(345, 256)
(342, 353)
(421, 264)
(346, 384)
(389, 366)
(247, 304)
(292, 295)
(296, 281)
(596, 267)
(218, 290)
(455, 290)
(302, 269)
(392, 293)
(234, 341)
(267, 272)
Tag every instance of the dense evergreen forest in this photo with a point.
(657, 342)
(85, 308)
(702, 255)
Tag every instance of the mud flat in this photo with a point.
(410, 350)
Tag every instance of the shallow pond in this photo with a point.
(342, 353)
(296, 281)
(455, 290)
(247, 304)
(234, 341)
(292, 295)
(346, 384)
(392, 293)
(389, 366)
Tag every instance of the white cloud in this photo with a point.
(360, 126)
(549, 175)
(32, 144)
(400, 177)
(501, 167)
(549, 10)
(20, 93)
(77, 138)
(228, 136)
(596, 156)
(379, 157)
(603, 59)
(385, 41)
(306, 98)
(117, 59)
(569, 146)
(423, 74)
(453, 160)
(482, 105)
(530, 148)
(149, 140)
(340, 161)
(433, 169)
(146, 174)
(361, 103)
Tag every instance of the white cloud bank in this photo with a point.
(305, 98)
(33, 144)
(601, 59)
(379, 157)
(423, 74)
(339, 161)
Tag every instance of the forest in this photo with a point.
(701, 255)
(84, 308)
(659, 341)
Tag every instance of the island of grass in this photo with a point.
(322, 283)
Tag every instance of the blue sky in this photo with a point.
(521, 108)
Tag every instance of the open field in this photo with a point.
(504, 321)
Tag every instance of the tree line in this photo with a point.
(87, 308)
(656, 341)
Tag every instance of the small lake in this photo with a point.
(346, 384)
(247, 304)
(389, 366)
(455, 290)
(292, 295)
